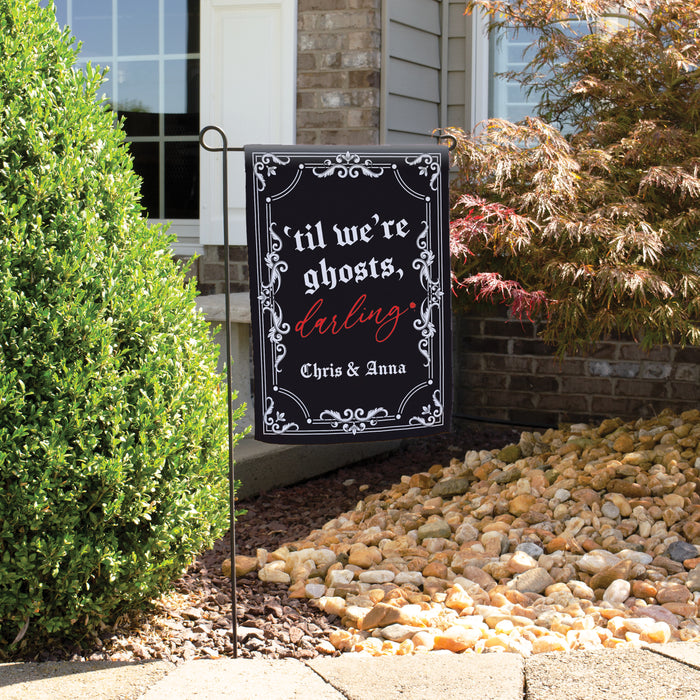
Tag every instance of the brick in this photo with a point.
(351, 137)
(238, 253)
(239, 271)
(690, 355)
(314, 81)
(683, 390)
(361, 59)
(480, 380)
(512, 399)
(467, 411)
(646, 389)
(364, 78)
(656, 370)
(553, 365)
(616, 406)
(492, 311)
(607, 351)
(510, 329)
(330, 60)
(305, 62)
(633, 351)
(468, 326)
(468, 363)
(534, 383)
(603, 368)
(212, 272)
(360, 41)
(586, 385)
(320, 119)
(569, 402)
(324, 5)
(206, 289)
(339, 99)
(687, 373)
(334, 21)
(507, 363)
(536, 419)
(364, 4)
(305, 100)
(320, 41)
(531, 347)
(308, 136)
(573, 417)
(363, 118)
(497, 346)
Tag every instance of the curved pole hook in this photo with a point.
(221, 133)
(451, 140)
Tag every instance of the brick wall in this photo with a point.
(502, 371)
(210, 269)
(338, 71)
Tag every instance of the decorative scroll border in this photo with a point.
(347, 421)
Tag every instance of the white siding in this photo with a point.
(458, 67)
(412, 70)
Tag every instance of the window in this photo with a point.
(508, 99)
(151, 48)
(512, 51)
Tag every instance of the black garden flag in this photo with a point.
(349, 268)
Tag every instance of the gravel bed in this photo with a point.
(194, 619)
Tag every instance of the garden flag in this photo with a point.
(349, 269)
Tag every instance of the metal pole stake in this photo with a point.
(224, 150)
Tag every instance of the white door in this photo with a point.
(248, 89)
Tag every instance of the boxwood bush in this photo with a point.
(113, 437)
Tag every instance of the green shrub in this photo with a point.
(113, 438)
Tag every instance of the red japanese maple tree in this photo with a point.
(587, 215)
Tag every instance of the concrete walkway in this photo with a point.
(668, 672)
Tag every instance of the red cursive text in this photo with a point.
(386, 321)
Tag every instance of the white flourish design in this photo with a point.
(356, 421)
(347, 165)
(265, 166)
(278, 328)
(433, 297)
(428, 166)
(277, 422)
(431, 414)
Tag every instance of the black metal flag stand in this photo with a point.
(224, 150)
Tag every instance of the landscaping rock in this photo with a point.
(568, 540)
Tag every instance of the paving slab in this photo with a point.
(685, 652)
(245, 679)
(607, 674)
(66, 680)
(431, 676)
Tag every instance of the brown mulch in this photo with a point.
(195, 619)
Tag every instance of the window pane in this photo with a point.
(146, 165)
(182, 180)
(92, 25)
(181, 97)
(138, 27)
(182, 26)
(137, 96)
(508, 99)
